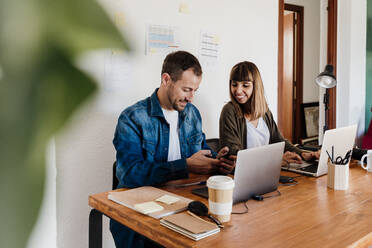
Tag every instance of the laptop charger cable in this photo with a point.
(261, 197)
(256, 197)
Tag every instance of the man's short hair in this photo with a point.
(177, 62)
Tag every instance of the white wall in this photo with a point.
(241, 33)
(84, 151)
(84, 155)
(351, 64)
(311, 47)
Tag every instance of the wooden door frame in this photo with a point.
(280, 60)
(331, 58)
(299, 62)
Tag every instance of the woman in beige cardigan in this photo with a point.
(246, 120)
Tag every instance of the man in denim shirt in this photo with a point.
(160, 138)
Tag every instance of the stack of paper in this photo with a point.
(190, 226)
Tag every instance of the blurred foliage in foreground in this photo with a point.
(40, 87)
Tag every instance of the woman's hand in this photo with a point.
(310, 155)
(291, 157)
(226, 166)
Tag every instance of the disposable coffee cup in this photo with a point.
(220, 192)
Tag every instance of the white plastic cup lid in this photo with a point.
(220, 182)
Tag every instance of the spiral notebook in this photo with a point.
(190, 226)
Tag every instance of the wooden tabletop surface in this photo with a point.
(305, 215)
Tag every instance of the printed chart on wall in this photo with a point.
(209, 48)
(118, 79)
(161, 39)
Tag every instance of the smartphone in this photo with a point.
(227, 156)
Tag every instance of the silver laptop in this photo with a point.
(342, 139)
(257, 171)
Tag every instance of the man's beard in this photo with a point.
(175, 103)
(177, 107)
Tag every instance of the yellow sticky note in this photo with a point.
(148, 207)
(184, 8)
(167, 199)
(119, 19)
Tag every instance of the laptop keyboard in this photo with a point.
(313, 168)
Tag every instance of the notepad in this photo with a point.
(132, 197)
(190, 226)
(167, 199)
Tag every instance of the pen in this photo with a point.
(329, 156)
(194, 215)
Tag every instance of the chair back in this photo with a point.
(214, 144)
(115, 181)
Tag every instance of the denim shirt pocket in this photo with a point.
(195, 142)
(149, 149)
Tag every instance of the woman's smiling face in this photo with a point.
(241, 90)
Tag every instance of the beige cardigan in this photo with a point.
(233, 131)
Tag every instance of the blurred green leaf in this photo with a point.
(40, 87)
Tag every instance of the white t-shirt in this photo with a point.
(257, 136)
(174, 150)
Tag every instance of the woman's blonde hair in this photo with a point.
(256, 106)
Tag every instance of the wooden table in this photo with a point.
(305, 215)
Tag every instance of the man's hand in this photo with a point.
(291, 157)
(310, 155)
(226, 165)
(202, 163)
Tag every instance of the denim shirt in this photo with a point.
(142, 140)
